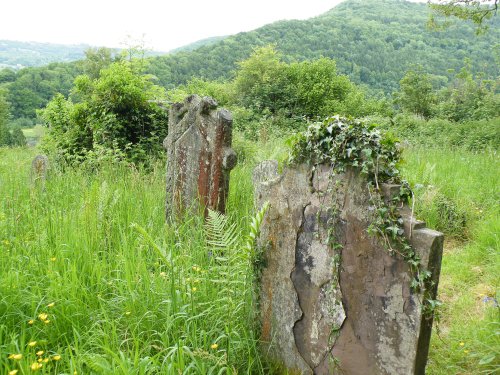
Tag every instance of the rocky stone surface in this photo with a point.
(39, 170)
(333, 300)
(199, 156)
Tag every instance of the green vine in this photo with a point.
(348, 143)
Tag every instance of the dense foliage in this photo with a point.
(344, 143)
(464, 98)
(272, 96)
(374, 43)
(32, 88)
(477, 11)
(115, 112)
(8, 136)
(308, 88)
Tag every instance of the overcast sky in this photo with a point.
(162, 24)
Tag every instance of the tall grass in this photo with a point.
(458, 193)
(118, 307)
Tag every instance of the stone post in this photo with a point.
(199, 157)
(332, 298)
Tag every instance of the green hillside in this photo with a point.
(199, 43)
(373, 41)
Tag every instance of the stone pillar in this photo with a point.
(199, 157)
(333, 300)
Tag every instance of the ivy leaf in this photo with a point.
(394, 230)
(367, 152)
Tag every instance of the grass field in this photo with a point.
(461, 197)
(34, 134)
(84, 291)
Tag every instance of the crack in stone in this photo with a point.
(301, 229)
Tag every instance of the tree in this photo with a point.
(17, 137)
(468, 98)
(97, 59)
(5, 136)
(255, 74)
(416, 93)
(115, 111)
(477, 11)
(7, 75)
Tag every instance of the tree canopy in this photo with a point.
(477, 11)
(115, 111)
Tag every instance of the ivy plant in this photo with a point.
(350, 143)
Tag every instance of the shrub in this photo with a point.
(115, 111)
(472, 135)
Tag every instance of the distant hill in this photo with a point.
(17, 55)
(374, 42)
(198, 44)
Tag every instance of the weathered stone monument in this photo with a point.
(333, 299)
(199, 156)
(39, 170)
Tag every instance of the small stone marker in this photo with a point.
(332, 298)
(39, 170)
(199, 156)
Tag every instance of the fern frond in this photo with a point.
(255, 227)
(145, 235)
(220, 234)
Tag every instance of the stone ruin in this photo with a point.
(332, 298)
(199, 156)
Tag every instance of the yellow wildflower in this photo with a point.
(47, 321)
(36, 366)
(45, 360)
(39, 353)
(57, 357)
(194, 289)
(13, 372)
(462, 343)
(31, 321)
(214, 346)
(39, 360)
(42, 316)
(51, 304)
(53, 259)
(32, 343)
(15, 356)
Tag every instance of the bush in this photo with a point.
(311, 89)
(472, 135)
(115, 111)
(17, 137)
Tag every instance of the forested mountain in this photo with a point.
(16, 55)
(198, 44)
(374, 42)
